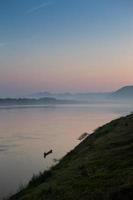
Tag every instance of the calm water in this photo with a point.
(25, 133)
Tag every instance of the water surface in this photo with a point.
(25, 133)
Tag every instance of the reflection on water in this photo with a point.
(26, 133)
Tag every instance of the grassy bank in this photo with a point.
(100, 168)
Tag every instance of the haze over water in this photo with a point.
(25, 133)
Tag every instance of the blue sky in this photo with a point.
(65, 45)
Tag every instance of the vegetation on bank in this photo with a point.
(99, 168)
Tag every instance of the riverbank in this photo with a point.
(100, 167)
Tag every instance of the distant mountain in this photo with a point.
(71, 96)
(123, 93)
(42, 94)
(50, 94)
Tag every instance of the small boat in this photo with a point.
(84, 135)
(47, 153)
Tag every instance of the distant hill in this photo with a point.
(99, 168)
(68, 95)
(124, 93)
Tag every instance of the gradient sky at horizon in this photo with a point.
(65, 45)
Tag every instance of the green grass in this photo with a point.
(100, 168)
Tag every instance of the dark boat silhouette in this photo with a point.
(83, 136)
(47, 153)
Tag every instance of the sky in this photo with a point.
(65, 46)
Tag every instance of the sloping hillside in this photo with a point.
(100, 168)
